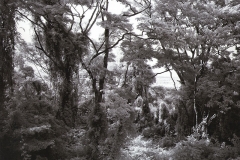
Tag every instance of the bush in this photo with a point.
(155, 131)
(193, 149)
(31, 130)
(167, 142)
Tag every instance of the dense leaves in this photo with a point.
(93, 103)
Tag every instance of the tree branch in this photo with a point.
(160, 73)
(134, 11)
(172, 77)
(43, 50)
(28, 19)
(116, 43)
(90, 23)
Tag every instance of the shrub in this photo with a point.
(167, 142)
(193, 149)
(31, 130)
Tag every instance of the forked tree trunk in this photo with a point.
(98, 118)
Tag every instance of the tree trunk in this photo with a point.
(68, 95)
(98, 118)
(194, 101)
(2, 85)
(7, 42)
(63, 64)
(97, 127)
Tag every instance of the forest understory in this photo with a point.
(78, 80)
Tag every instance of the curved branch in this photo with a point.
(72, 23)
(90, 23)
(116, 43)
(43, 50)
(171, 77)
(160, 73)
(134, 12)
(28, 19)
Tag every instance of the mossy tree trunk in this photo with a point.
(7, 43)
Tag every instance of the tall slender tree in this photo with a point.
(115, 28)
(7, 43)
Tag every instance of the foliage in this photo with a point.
(167, 142)
(110, 107)
(120, 116)
(220, 99)
(163, 109)
(31, 129)
(76, 144)
(140, 148)
(85, 108)
(203, 149)
(189, 38)
(190, 148)
(7, 44)
(59, 49)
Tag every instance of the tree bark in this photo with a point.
(7, 43)
(194, 101)
(98, 119)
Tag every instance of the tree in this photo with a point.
(30, 128)
(138, 76)
(56, 40)
(115, 28)
(187, 35)
(218, 92)
(7, 43)
(62, 32)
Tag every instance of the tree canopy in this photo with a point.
(83, 107)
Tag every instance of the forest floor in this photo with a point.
(140, 148)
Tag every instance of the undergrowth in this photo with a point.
(189, 149)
